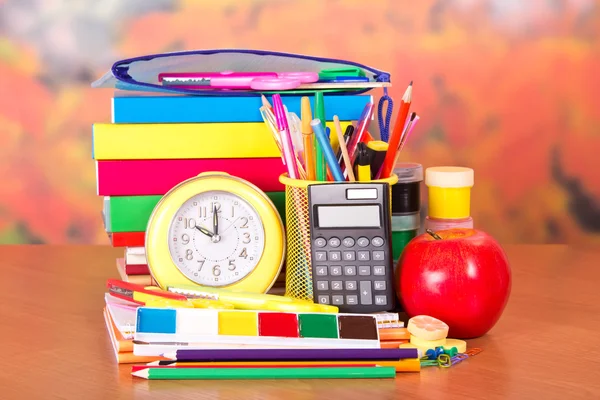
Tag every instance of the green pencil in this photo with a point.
(320, 166)
(267, 373)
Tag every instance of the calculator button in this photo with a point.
(352, 300)
(377, 241)
(364, 270)
(365, 293)
(338, 300)
(350, 285)
(378, 255)
(379, 285)
(348, 242)
(334, 242)
(350, 270)
(321, 270)
(349, 256)
(379, 270)
(335, 270)
(362, 242)
(320, 242)
(321, 256)
(363, 256)
(323, 285)
(336, 285)
(381, 300)
(324, 299)
(335, 255)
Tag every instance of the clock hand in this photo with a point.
(205, 231)
(230, 225)
(215, 220)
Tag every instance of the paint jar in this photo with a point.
(406, 193)
(404, 229)
(449, 191)
(406, 205)
(440, 224)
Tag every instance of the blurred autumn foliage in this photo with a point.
(510, 88)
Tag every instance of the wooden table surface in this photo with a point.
(55, 344)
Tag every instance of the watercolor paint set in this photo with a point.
(172, 328)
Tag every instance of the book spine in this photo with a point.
(131, 213)
(216, 109)
(184, 141)
(157, 177)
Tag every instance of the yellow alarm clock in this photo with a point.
(215, 230)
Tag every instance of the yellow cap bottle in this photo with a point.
(449, 190)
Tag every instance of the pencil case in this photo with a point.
(141, 73)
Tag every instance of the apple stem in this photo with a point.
(433, 234)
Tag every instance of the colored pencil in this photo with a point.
(267, 373)
(343, 148)
(394, 142)
(331, 364)
(405, 365)
(291, 354)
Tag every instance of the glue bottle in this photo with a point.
(449, 197)
(406, 205)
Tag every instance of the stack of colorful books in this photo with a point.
(157, 141)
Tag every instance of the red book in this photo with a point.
(127, 239)
(133, 269)
(153, 177)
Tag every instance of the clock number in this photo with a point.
(189, 223)
(217, 205)
(246, 238)
(202, 212)
(185, 238)
(232, 211)
(189, 255)
(231, 265)
(216, 270)
(245, 224)
(201, 265)
(244, 253)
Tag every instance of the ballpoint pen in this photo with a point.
(325, 144)
(359, 132)
(286, 139)
(347, 135)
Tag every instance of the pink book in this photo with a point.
(157, 177)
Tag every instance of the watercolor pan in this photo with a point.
(167, 329)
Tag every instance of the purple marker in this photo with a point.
(291, 354)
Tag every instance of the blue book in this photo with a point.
(206, 109)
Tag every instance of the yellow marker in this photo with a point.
(377, 150)
(363, 167)
(307, 138)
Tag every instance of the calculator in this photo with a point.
(350, 230)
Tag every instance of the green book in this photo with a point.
(132, 213)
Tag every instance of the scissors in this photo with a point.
(237, 80)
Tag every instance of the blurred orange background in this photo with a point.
(508, 87)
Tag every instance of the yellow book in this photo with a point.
(184, 141)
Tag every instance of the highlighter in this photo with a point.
(307, 138)
(363, 166)
(377, 150)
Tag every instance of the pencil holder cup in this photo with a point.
(298, 270)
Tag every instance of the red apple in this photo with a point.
(462, 277)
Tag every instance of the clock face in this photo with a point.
(216, 238)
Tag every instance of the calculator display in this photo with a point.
(363, 216)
